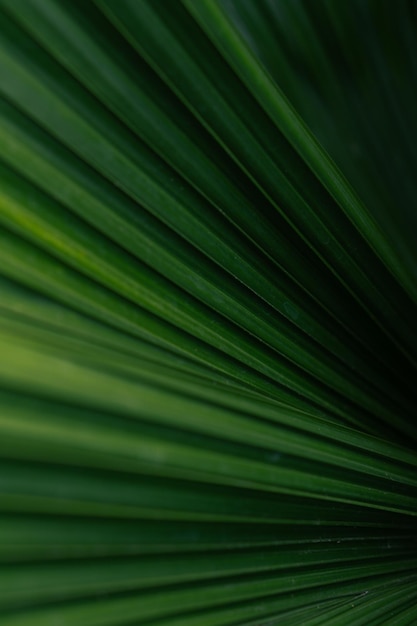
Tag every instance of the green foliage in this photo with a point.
(208, 312)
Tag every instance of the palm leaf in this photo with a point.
(207, 313)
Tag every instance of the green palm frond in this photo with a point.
(208, 312)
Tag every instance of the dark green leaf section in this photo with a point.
(207, 313)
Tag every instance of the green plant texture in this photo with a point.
(208, 312)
